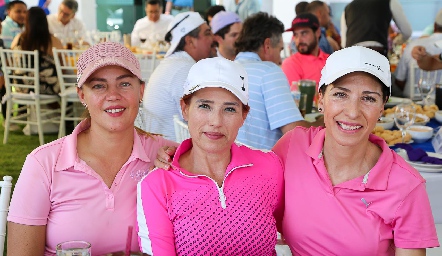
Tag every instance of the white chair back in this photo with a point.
(181, 129)
(22, 82)
(148, 63)
(5, 197)
(65, 63)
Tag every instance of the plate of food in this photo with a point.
(393, 101)
(392, 137)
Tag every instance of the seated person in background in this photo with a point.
(211, 11)
(226, 27)
(425, 60)
(322, 12)
(14, 22)
(403, 66)
(37, 37)
(71, 189)
(152, 27)
(218, 198)
(244, 8)
(190, 41)
(273, 110)
(309, 60)
(65, 25)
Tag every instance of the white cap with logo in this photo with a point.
(218, 72)
(181, 25)
(352, 59)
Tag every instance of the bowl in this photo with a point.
(421, 119)
(438, 116)
(386, 122)
(420, 133)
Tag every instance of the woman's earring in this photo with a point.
(84, 105)
(320, 109)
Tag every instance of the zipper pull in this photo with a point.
(222, 198)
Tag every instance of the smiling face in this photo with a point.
(214, 116)
(112, 95)
(18, 13)
(352, 106)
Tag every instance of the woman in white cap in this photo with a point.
(346, 191)
(80, 186)
(219, 198)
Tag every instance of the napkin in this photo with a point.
(418, 154)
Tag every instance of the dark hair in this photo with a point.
(385, 89)
(437, 27)
(313, 6)
(154, 2)
(36, 36)
(194, 33)
(212, 10)
(187, 98)
(300, 7)
(256, 29)
(71, 4)
(13, 3)
(222, 32)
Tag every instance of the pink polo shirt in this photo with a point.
(368, 215)
(59, 190)
(300, 66)
(181, 213)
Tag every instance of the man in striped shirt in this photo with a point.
(273, 111)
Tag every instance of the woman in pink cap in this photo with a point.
(80, 187)
(219, 198)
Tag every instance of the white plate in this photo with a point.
(393, 101)
(426, 167)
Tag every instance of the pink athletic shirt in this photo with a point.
(303, 66)
(59, 190)
(181, 213)
(369, 215)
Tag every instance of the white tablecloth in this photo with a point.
(434, 189)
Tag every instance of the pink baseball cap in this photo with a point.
(223, 19)
(106, 54)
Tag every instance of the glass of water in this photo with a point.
(74, 248)
(404, 116)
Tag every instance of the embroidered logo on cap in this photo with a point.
(373, 65)
(242, 87)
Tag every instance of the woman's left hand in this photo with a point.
(164, 157)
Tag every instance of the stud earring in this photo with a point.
(84, 105)
(320, 109)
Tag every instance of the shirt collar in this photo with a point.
(181, 55)
(248, 56)
(378, 176)
(9, 20)
(69, 155)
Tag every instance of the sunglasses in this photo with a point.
(168, 36)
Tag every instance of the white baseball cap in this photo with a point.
(218, 72)
(181, 25)
(352, 59)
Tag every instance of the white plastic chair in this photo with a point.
(14, 62)
(181, 129)
(5, 197)
(148, 63)
(65, 63)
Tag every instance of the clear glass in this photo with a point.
(426, 84)
(74, 248)
(404, 116)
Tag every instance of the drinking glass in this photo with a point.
(143, 36)
(74, 248)
(426, 84)
(79, 37)
(404, 116)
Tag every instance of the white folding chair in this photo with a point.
(22, 82)
(181, 129)
(148, 63)
(65, 63)
(5, 197)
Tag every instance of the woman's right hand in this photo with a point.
(164, 157)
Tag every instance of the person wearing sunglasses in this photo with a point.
(190, 41)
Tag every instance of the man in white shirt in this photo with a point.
(402, 70)
(64, 25)
(153, 26)
(226, 27)
(190, 41)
